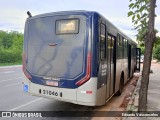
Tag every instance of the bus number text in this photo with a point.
(47, 92)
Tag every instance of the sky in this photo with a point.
(13, 13)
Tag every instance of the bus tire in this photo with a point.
(121, 84)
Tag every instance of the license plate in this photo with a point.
(52, 83)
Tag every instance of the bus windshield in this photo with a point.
(55, 46)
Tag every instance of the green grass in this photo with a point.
(10, 64)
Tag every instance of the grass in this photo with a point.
(10, 64)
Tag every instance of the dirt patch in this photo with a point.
(125, 101)
(129, 92)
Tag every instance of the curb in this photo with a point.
(133, 103)
(11, 66)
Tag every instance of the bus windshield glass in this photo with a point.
(55, 46)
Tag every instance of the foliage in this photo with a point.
(139, 13)
(11, 47)
(157, 42)
(142, 50)
(156, 53)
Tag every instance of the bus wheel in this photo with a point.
(118, 93)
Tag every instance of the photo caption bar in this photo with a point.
(22, 114)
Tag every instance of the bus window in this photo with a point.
(119, 40)
(69, 26)
(124, 47)
(111, 40)
(109, 47)
(102, 42)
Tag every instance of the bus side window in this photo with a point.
(102, 42)
(124, 47)
(109, 48)
(120, 47)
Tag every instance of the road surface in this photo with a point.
(12, 97)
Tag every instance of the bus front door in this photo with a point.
(111, 66)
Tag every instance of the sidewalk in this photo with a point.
(154, 88)
(153, 94)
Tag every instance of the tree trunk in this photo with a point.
(149, 42)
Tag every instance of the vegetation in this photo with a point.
(143, 17)
(11, 45)
(156, 50)
(156, 53)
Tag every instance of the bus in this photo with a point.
(76, 56)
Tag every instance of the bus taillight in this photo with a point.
(24, 66)
(88, 73)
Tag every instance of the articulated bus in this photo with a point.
(76, 56)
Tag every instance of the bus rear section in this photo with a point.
(57, 58)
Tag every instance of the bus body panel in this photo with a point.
(88, 94)
(87, 90)
(119, 70)
(84, 95)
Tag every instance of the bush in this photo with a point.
(11, 44)
(142, 50)
(156, 53)
(8, 56)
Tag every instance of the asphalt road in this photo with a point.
(12, 98)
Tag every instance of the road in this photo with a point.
(12, 97)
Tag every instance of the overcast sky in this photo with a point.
(13, 12)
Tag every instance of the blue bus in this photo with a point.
(76, 56)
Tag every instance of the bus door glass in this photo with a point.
(129, 60)
(102, 56)
(111, 58)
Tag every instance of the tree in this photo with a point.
(143, 17)
(11, 44)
